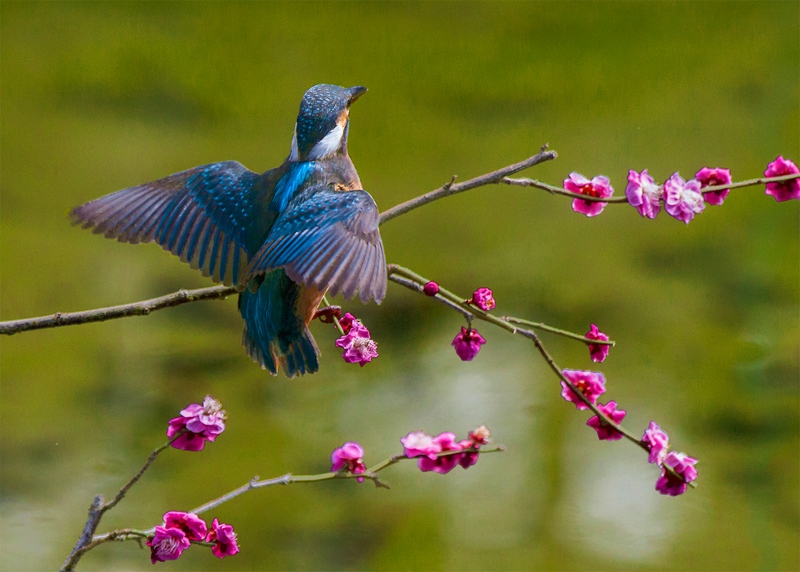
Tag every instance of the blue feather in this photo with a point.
(273, 328)
(290, 183)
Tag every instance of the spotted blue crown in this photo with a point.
(323, 115)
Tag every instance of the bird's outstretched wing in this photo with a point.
(200, 215)
(328, 239)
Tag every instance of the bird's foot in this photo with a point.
(327, 314)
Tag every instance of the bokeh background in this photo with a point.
(95, 97)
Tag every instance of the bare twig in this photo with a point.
(141, 308)
(87, 541)
(453, 188)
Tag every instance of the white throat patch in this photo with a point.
(327, 146)
(295, 153)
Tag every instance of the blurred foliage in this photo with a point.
(96, 97)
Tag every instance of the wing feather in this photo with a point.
(194, 214)
(327, 239)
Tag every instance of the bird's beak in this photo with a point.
(356, 92)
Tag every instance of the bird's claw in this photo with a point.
(327, 314)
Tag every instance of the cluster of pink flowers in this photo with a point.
(181, 529)
(429, 449)
(677, 469)
(349, 458)
(682, 199)
(432, 452)
(356, 342)
(200, 423)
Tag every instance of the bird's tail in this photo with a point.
(276, 333)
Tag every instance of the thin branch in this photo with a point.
(412, 285)
(95, 513)
(558, 331)
(87, 541)
(288, 479)
(453, 188)
(142, 308)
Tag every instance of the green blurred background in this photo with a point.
(96, 97)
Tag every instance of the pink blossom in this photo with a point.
(657, 442)
(682, 464)
(419, 443)
(674, 485)
(358, 346)
(669, 484)
(480, 436)
(466, 460)
(167, 544)
(785, 190)
(710, 178)
(347, 321)
(431, 289)
(599, 187)
(352, 325)
(447, 442)
(224, 539)
(482, 298)
(202, 423)
(683, 199)
(192, 525)
(468, 343)
(606, 432)
(592, 384)
(643, 193)
(349, 457)
(598, 352)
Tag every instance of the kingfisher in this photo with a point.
(284, 237)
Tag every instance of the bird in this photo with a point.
(283, 238)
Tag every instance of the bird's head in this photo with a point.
(322, 124)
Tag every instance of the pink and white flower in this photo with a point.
(683, 199)
(202, 423)
(643, 193)
(167, 544)
(657, 443)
